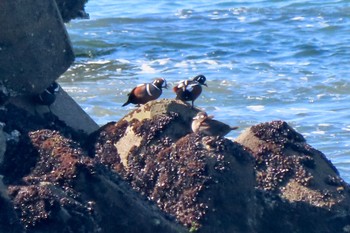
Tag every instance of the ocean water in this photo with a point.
(264, 60)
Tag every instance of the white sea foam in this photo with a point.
(298, 18)
(123, 61)
(161, 62)
(256, 108)
(147, 69)
(324, 125)
(210, 62)
(101, 62)
(347, 128)
(318, 132)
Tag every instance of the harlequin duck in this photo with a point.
(204, 124)
(189, 90)
(48, 96)
(146, 92)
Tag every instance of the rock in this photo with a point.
(205, 182)
(34, 46)
(2, 143)
(9, 221)
(171, 117)
(64, 108)
(18, 124)
(59, 188)
(298, 185)
(268, 180)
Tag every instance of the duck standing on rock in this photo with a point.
(146, 92)
(48, 96)
(204, 124)
(189, 90)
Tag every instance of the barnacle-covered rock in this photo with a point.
(268, 180)
(54, 186)
(206, 183)
(293, 177)
(157, 122)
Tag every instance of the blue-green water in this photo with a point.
(264, 60)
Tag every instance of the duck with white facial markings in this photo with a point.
(146, 92)
(189, 90)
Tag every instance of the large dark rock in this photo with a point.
(9, 222)
(2, 144)
(64, 108)
(34, 46)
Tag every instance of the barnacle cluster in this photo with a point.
(282, 157)
(50, 185)
(172, 170)
(150, 129)
(172, 177)
(101, 144)
(285, 157)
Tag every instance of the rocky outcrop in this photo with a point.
(34, 51)
(2, 144)
(9, 222)
(299, 188)
(207, 183)
(59, 188)
(215, 185)
(34, 46)
(64, 108)
(148, 172)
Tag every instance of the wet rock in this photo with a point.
(293, 177)
(34, 46)
(206, 183)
